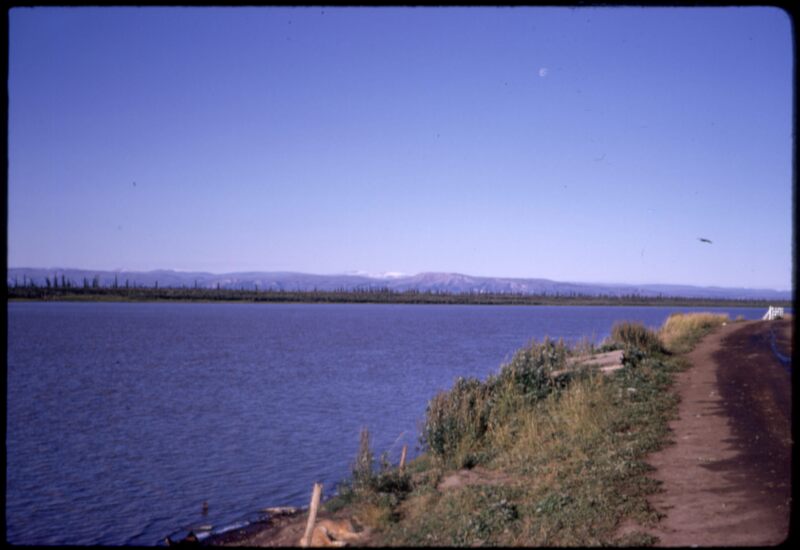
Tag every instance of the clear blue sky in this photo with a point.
(588, 145)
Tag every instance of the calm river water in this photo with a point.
(122, 418)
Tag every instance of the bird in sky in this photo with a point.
(703, 240)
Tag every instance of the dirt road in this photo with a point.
(727, 478)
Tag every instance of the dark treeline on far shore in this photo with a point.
(92, 291)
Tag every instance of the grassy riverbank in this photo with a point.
(553, 461)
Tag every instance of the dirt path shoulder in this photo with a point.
(727, 477)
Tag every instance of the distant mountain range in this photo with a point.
(442, 282)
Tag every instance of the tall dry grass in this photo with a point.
(635, 335)
(457, 421)
(562, 419)
(681, 331)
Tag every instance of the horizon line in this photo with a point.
(401, 275)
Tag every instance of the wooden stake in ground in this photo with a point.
(403, 457)
(316, 495)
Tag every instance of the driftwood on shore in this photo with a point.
(606, 363)
(316, 495)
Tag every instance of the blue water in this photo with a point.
(123, 418)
